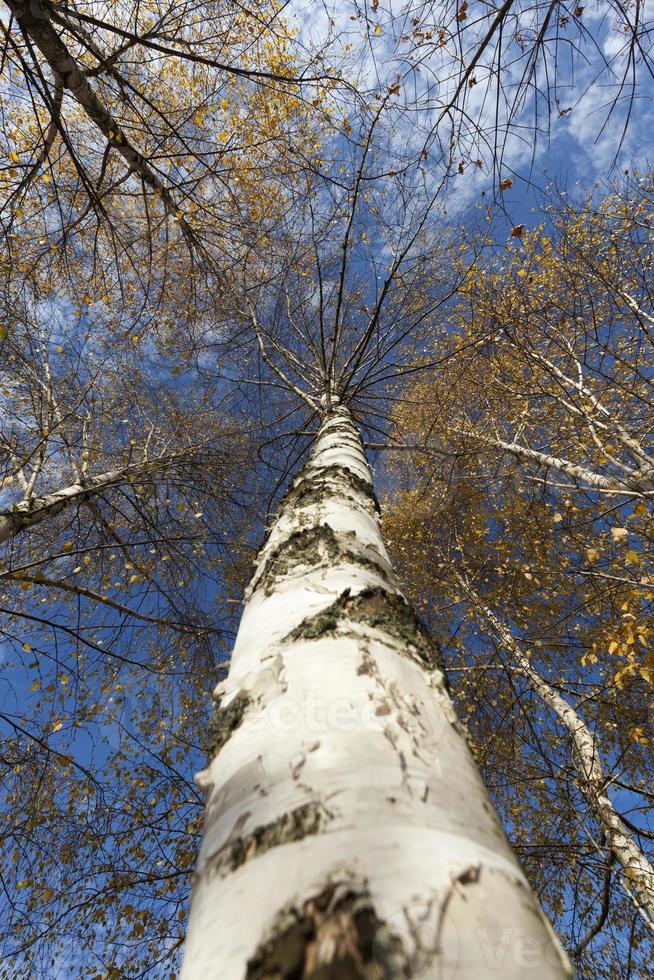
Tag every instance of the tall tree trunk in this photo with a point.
(348, 833)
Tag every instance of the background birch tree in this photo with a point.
(110, 505)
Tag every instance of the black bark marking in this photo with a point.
(311, 546)
(334, 935)
(386, 611)
(314, 483)
(293, 826)
(224, 722)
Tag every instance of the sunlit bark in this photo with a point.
(348, 832)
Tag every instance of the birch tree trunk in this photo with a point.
(34, 510)
(348, 833)
(593, 784)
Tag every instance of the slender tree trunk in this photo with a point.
(348, 832)
(639, 873)
(629, 484)
(33, 511)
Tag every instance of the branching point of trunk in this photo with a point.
(334, 935)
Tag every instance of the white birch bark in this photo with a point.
(591, 780)
(629, 484)
(34, 510)
(348, 833)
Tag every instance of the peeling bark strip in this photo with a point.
(339, 759)
(289, 827)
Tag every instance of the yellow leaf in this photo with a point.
(623, 672)
(68, 545)
(35, 686)
(613, 646)
(27, 648)
(378, 30)
(57, 726)
(13, 156)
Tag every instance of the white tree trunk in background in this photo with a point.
(630, 483)
(348, 833)
(592, 782)
(34, 510)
